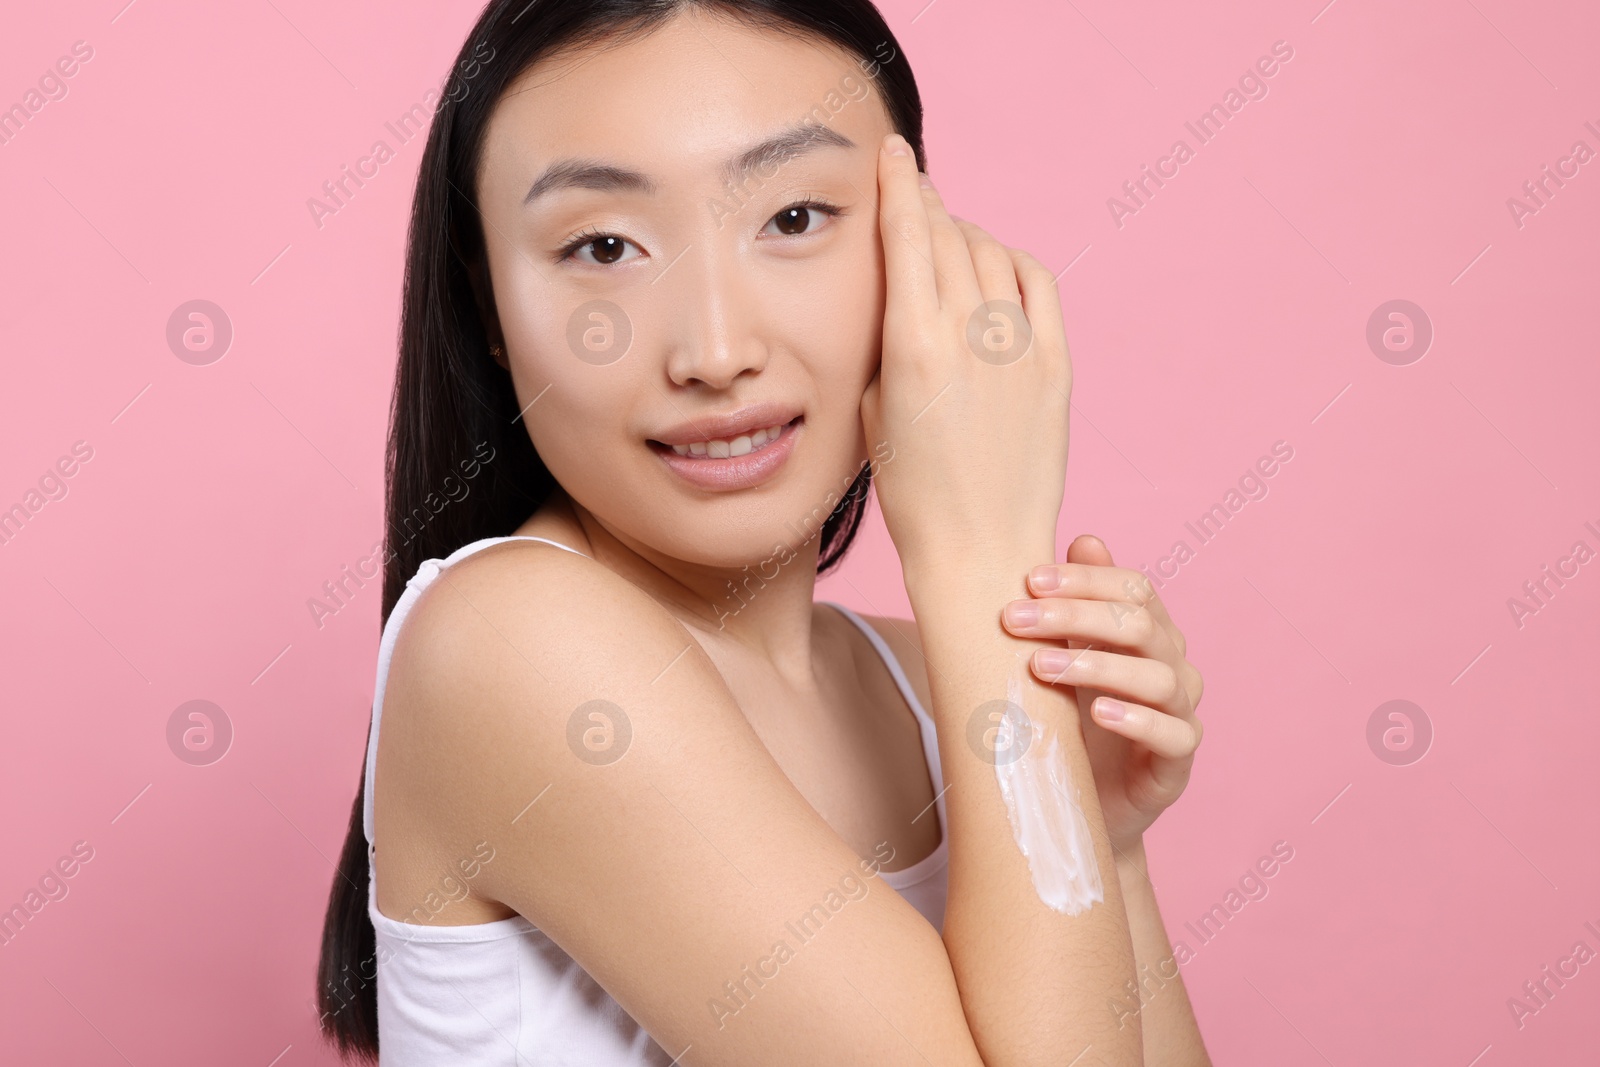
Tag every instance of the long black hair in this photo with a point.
(454, 417)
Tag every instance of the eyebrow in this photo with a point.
(782, 146)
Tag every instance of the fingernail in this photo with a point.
(1022, 613)
(1055, 660)
(1044, 579)
(1111, 710)
(922, 180)
(898, 145)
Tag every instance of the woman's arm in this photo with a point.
(1160, 1002)
(972, 394)
(544, 704)
(1035, 981)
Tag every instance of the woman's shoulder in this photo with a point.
(514, 599)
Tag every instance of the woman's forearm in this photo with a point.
(1158, 1003)
(1034, 977)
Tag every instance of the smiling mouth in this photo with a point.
(730, 447)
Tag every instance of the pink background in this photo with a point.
(1228, 313)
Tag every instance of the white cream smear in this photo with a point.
(1046, 820)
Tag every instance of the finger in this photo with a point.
(957, 279)
(996, 271)
(1091, 622)
(1143, 681)
(1041, 303)
(907, 246)
(1089, 549)
(1091, 582)
(1165, 735)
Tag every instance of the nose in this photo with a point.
(713, 334)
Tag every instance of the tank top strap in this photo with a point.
(427, 571)
(930, 751)
(890, 661)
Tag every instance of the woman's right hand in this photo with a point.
(973, 386)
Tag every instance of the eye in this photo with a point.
(800, 219)
(607, 248)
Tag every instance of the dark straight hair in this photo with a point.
(454, 416)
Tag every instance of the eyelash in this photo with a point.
(579, 240)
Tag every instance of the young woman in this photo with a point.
(676, 292)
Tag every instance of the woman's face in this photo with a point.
(642, 295)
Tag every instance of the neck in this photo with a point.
(762, 607)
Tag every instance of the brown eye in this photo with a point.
(793, 220)
(806, 217)
(606, 249)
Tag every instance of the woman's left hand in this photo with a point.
(1121, 649)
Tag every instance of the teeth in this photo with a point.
(722, 448)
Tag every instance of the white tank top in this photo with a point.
(503, 992)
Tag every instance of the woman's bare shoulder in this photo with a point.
(516, 602)
(562, 717)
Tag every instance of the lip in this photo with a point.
(733, 472)
(730, 424)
